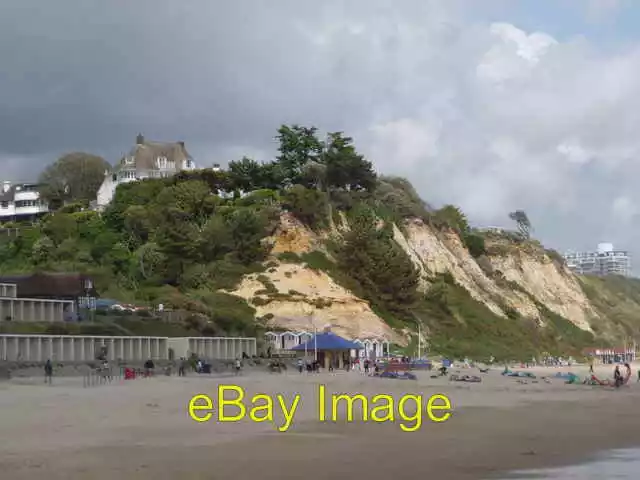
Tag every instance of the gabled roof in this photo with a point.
(328, 341)
(145, 154)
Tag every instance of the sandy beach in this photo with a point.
(142, 428)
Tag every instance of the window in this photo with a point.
(4, 204)
(129, 160)
(161, 162)
(26, 203)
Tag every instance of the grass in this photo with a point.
(617, 299)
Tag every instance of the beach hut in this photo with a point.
(330, 348)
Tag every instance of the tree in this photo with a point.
(75, 176)
(383, 269)
(308, 206)
(247, 230)
(245, 174)
(453, 217)
(177, 239)
(215, 240)
(193, 197)
(345, 167)
(298, 145)
(524, 225)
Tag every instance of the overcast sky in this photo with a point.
(492, 105)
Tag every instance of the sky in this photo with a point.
(492, 105)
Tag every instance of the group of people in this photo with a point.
(311, 367)
(365, 365)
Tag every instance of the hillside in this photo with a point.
(322, 239)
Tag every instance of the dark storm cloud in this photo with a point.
(86, 74)
(485, 116)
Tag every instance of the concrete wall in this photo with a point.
(34, 309)
(65, 348)
(213, 347)
(76, 348)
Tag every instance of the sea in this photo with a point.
(612, 464)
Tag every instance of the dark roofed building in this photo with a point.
(147, 159)
(53, 286)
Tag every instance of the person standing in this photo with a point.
(238, 366)
(617, 376)
(48, 372)
(182, 367)
(300, 366)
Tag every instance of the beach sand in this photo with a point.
(141, 429)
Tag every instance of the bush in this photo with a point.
(307, 205)
(475, 244)
(289, 257)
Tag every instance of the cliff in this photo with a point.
(314, 237)
(519, 282)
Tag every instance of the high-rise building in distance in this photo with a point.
(604, 261)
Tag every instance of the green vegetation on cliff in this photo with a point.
(180, 240)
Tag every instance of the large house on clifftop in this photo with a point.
(146, 160)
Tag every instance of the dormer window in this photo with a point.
(162, 162)
(129, 160)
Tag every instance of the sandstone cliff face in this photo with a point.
(549, 283)
(439, 252)
(307, 298)
(304, 297)
(292, 236)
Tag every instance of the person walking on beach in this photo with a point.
(182, 367)
(238, 366)
(300, 366)
(366, 366)
(48, 371)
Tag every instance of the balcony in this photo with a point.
(22, 195)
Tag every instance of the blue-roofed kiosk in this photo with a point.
(329, 349)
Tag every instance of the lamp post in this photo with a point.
(419, 324)
(315, 333)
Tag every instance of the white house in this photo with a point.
(21, 202)
(146, 160)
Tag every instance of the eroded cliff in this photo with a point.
(521, 278)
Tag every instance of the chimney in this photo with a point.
(139, 139)
(6, 185)
(181, 144)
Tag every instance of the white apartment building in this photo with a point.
(146, 159)
(21, 201)
(604, 261)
